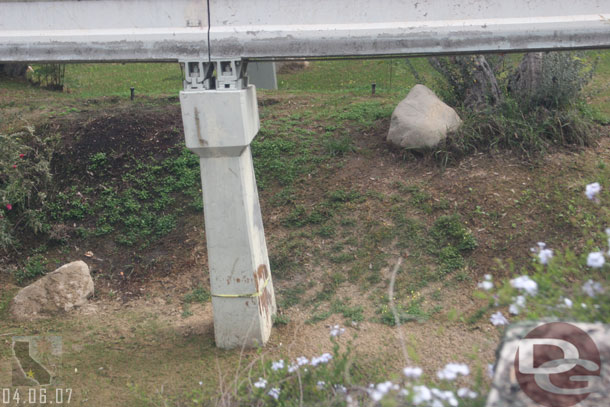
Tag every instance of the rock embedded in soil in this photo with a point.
(58, 292)
(421, 120)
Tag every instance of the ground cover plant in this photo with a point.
(341, 209)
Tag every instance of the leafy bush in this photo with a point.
(556, 82)
(50, 76)
(541, 105)
(24, 178)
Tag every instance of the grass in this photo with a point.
(116, 79)
(390, 76)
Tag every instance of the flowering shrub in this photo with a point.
(550, 289)
(24, 177)
(326, 380)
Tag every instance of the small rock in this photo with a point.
(60, 291)
(421, 120)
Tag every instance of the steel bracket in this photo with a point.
(229, 74)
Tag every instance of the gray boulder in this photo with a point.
(421, 120)
(60, 291)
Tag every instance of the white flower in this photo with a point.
(526, 284)
(545, 255)
(486, 285)
(487, 277)
(293, 367)
(446, 395)
(201, 383)
(517, 305)
(385, 386)
(592, 288)
(466, 393)
(498, 319)
(278, 365)
(452, 370)
(403, 392)
(519, 301)
(336, 330)
(274, 392)
(261, 383)
(592, 190)
(324, 358)
(596, 259)
(568, 302)
(412, 372)
(490, 370)
(302, 360)
(375, 395)
(421, 394)
(320, 385)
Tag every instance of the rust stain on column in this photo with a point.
(264, 299)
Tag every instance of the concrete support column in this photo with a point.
(219, 126)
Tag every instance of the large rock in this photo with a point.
(60, 291)
(421, 120)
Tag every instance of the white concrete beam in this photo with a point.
(170, 30)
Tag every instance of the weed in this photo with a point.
(448, 230)
(199, 295)
(33, 267)
(280, 319)
(326, 231)
(186, 311)
(450, 259)
(339, 147)
(97, 162)
(291, 296)
(319, 317)
(350, 313)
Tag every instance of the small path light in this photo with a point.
(133, 93)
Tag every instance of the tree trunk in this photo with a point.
(484, 90)
(526, 80)
(472, 80)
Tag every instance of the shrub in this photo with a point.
(50, 76)
(541, 105)
(553, 80)
(24, 178)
